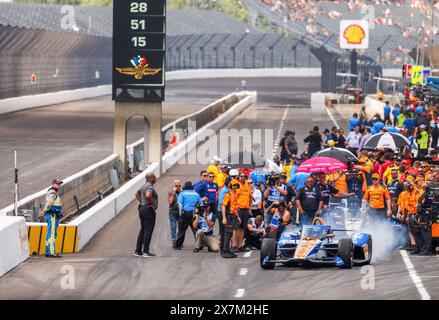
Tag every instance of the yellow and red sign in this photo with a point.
(354, 34)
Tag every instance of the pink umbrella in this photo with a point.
(321, 164)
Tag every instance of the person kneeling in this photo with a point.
(255, 232)
(204, 222)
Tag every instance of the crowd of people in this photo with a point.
(309, 12)
(250, 203)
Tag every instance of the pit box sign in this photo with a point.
(354, 34)
(139, 45)
(417, 74)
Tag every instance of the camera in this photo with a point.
(353, 172)
(430, 213)
(271, 180)
(201, 206)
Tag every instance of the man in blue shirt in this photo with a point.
(187, 200)
(409, 123)
(395, 112)
(387, 109)
(378, 125)
(420, 109)
(354, 121)
(200, 183)
(208, 191)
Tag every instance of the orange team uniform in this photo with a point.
(244, 194)
(408, 202)
(340, 182)
(366, 168)
(376, 196)
(231, 199)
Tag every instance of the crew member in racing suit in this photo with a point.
(51, 214)
(378, 198)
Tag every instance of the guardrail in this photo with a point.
(94, 219)
(76, 234)
(181, 128)
(86, 187)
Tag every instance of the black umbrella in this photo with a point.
(340, 154)
(245, 159)
(387, 140)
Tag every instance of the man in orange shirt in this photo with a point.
(244, 211)
(378, 197)
(231, 221)
(408, 207)
(365, 166)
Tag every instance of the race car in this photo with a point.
(316, 245)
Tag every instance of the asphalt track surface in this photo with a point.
(106, 268)
(63, 139)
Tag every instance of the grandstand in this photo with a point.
(195, 39)
(399, 25)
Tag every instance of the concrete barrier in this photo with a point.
(83, 186)
(94, 219)
(66, 240)
(40, 100)
(51, 98)
(14, 246)
(243, 73)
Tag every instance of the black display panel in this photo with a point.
(139, 45)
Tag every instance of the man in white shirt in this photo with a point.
(256, 199)
(353, 140)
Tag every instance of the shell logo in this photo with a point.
(354, 34)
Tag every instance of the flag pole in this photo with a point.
(16, 184)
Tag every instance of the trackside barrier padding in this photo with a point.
(66, 241)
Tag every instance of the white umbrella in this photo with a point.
(387, 140)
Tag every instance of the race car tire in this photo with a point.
(366, 262)
(369, 244)
(268, 249)
(346, 252)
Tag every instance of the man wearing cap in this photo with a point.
(244, 210)
(378, 197)
(221, 178)
(214, 168)
(407, 210)
(422, 141)
(387, 176)
(230, 218)
(51, 214)
(365, 166)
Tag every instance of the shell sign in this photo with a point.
(354, 34)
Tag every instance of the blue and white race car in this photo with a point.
(316, 245)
